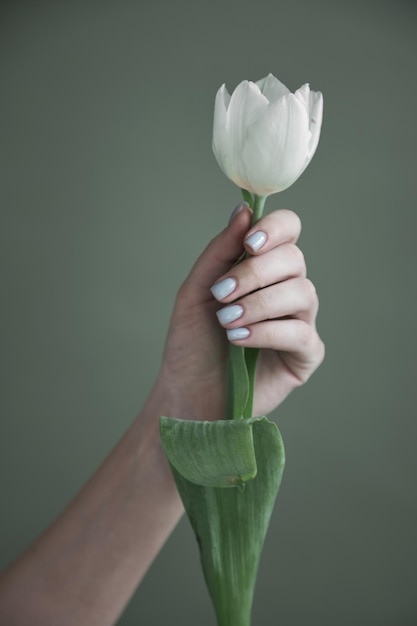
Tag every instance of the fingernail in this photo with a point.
(224, 288)
(237, 333)
(229, 314)
(236, 211)
(256, 241)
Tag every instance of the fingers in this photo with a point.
(281, 263)
(297, 344)
(252, 321)
(292, 298)
(273, 230)
(290, 335)
(278, 228)
(267, 300)
(275, 257)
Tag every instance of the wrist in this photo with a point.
(203, 400)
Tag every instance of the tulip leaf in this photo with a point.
(213, 454)
(230, 524)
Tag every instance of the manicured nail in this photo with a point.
(237, 333)
(229, 314)
(256, 241)
(224, 288)
(236, 211)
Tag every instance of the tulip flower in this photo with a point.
(264, 136)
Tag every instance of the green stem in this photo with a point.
(242, 361)
(258, 208)
(251, 354)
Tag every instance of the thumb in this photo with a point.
(219, 256)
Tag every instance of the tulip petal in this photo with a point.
(272, 88)
(316, 117)
(220, 114)
(247, 105)
(221, 143)
(313, 101)
(276, 150)
(303, 95)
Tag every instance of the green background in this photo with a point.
(109, 190)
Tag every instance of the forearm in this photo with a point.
(86, 566)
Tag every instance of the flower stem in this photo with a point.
(258, 208)
(242, 361)
(251, 354)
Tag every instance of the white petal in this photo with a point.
(276, 151)
(246, 106)
(316, 117)
(221, 144)
(220, 106)
(303, 95)
(272, 88)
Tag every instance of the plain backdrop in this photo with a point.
(108, 192)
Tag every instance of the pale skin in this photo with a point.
(86, 566)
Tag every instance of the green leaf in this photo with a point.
(230, 524)
(214, 454)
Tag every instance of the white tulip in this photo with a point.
(264, 136)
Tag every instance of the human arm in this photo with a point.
(85, 567)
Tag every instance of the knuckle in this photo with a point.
(321, 351)
(272, 334)
(293, 220)
(306, 336)
(296, 258)
(313, 354)
(264, 302)
(317, 354)
(255, 272)
(296, 222)
(310, 293)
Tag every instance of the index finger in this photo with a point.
(274, 229)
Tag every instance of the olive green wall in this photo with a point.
(108, 192)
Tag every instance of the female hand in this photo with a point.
(264, 302)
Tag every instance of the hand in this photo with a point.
(276, 307)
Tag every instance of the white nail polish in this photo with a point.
(229, 314)
(237, 333)
(236, 211)
(256, 241)
(224, 288)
